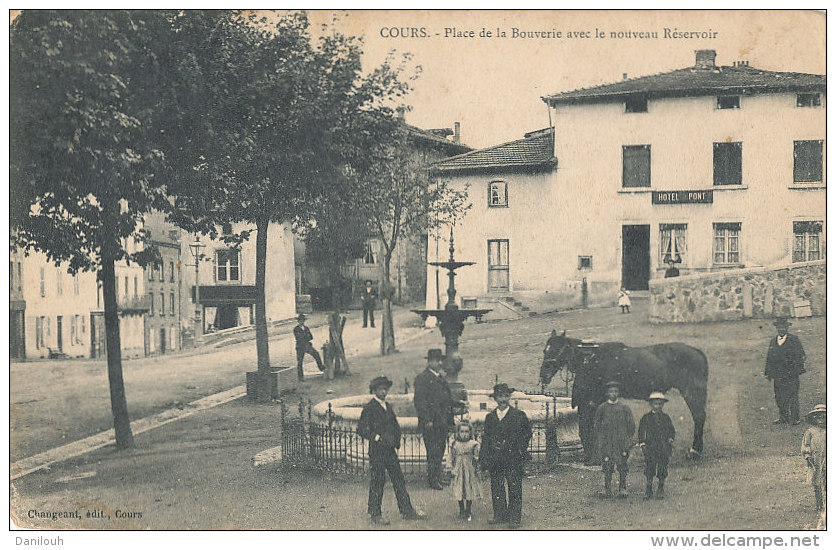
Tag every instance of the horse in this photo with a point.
(639, 371)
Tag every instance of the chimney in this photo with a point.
(623, 76)
(705, 60)
(457, 128)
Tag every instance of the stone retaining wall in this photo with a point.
(739, 294)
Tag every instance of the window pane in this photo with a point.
(732, 244)
(233, 273)
(222, 272)
(734, 257)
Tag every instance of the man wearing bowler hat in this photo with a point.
(434, 405)
(784, 363)
(503, 453)
(379, 425)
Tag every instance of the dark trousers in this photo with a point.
(379, 464)
(610, 463)
(300, 358)
(786, 397)
(510, 510)
(368, 315)
(656, 464)
(435, 441)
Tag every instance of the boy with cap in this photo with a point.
(784, 363)
(379, 425)
(614, 427)
(303, 345)
(504, 451)
(656, 435)
(814, 451)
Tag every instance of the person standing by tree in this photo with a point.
(434, 405)
(784, 364)
(369, 298)
(303, 345)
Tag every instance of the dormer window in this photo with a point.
(808, 100)
(636, 104)
(728, 102)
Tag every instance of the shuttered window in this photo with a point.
(807, 161)
(728, 163)
(636, 166)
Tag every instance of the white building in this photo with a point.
(227, 280)
(721, 167)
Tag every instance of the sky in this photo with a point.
(493, 85)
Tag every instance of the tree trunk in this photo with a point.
(387, 327)
(335, 333)
(118, 401)
(263, 391)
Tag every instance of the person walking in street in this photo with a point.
(434, 405)
(814, 451)
(656, 435)
(379, 425)
(614, 427)
(503, 453)
(624, 300)
(368, 296)
(464, 454)
(303, 345)
(784, 364)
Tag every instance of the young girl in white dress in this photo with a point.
(464, 454)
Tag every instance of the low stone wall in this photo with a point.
(760, 292)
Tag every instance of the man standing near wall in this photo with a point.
(784, 364)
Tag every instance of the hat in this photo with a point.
(502, 389)
(587, 343)
(657, 395)
(782, 322)
(368, 281)
(612, 383)
(435, 353)
(821, 408)
(379, 381)
(301, 317)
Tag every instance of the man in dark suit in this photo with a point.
(379, 425)
(369, 298)
(504, 452)
(784, 363)
(303, 345)
(434, 405)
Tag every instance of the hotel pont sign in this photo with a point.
(683, 197)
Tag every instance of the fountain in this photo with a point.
(451, 324)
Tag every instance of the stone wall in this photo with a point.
(761, 292)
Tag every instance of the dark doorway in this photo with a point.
(635, 257)
(162, 340)
(17, 334)
(226, 317)
(97, 335)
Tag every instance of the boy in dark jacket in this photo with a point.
(656, 435)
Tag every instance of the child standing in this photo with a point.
(656, 435)
(614, 427)
(463, 455)
(814, 450)
(624, 300)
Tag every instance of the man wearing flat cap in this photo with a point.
(784, 364)
(434, 405)
(379, 425)
(503, 454)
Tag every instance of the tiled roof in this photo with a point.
(536, 150)
(692, 81)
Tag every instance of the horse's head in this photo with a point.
(558, 353)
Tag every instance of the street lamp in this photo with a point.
(196, 249)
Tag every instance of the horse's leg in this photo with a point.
(695, 398)
(586, 416)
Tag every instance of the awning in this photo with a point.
(216, 295)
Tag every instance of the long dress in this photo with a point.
(463, 459)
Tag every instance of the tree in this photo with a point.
(83, 91)
(277, 107)
(401, 199)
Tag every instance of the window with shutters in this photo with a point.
(807, 161)
(728, 163)
(635, 166)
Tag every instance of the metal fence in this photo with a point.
(331, 444)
